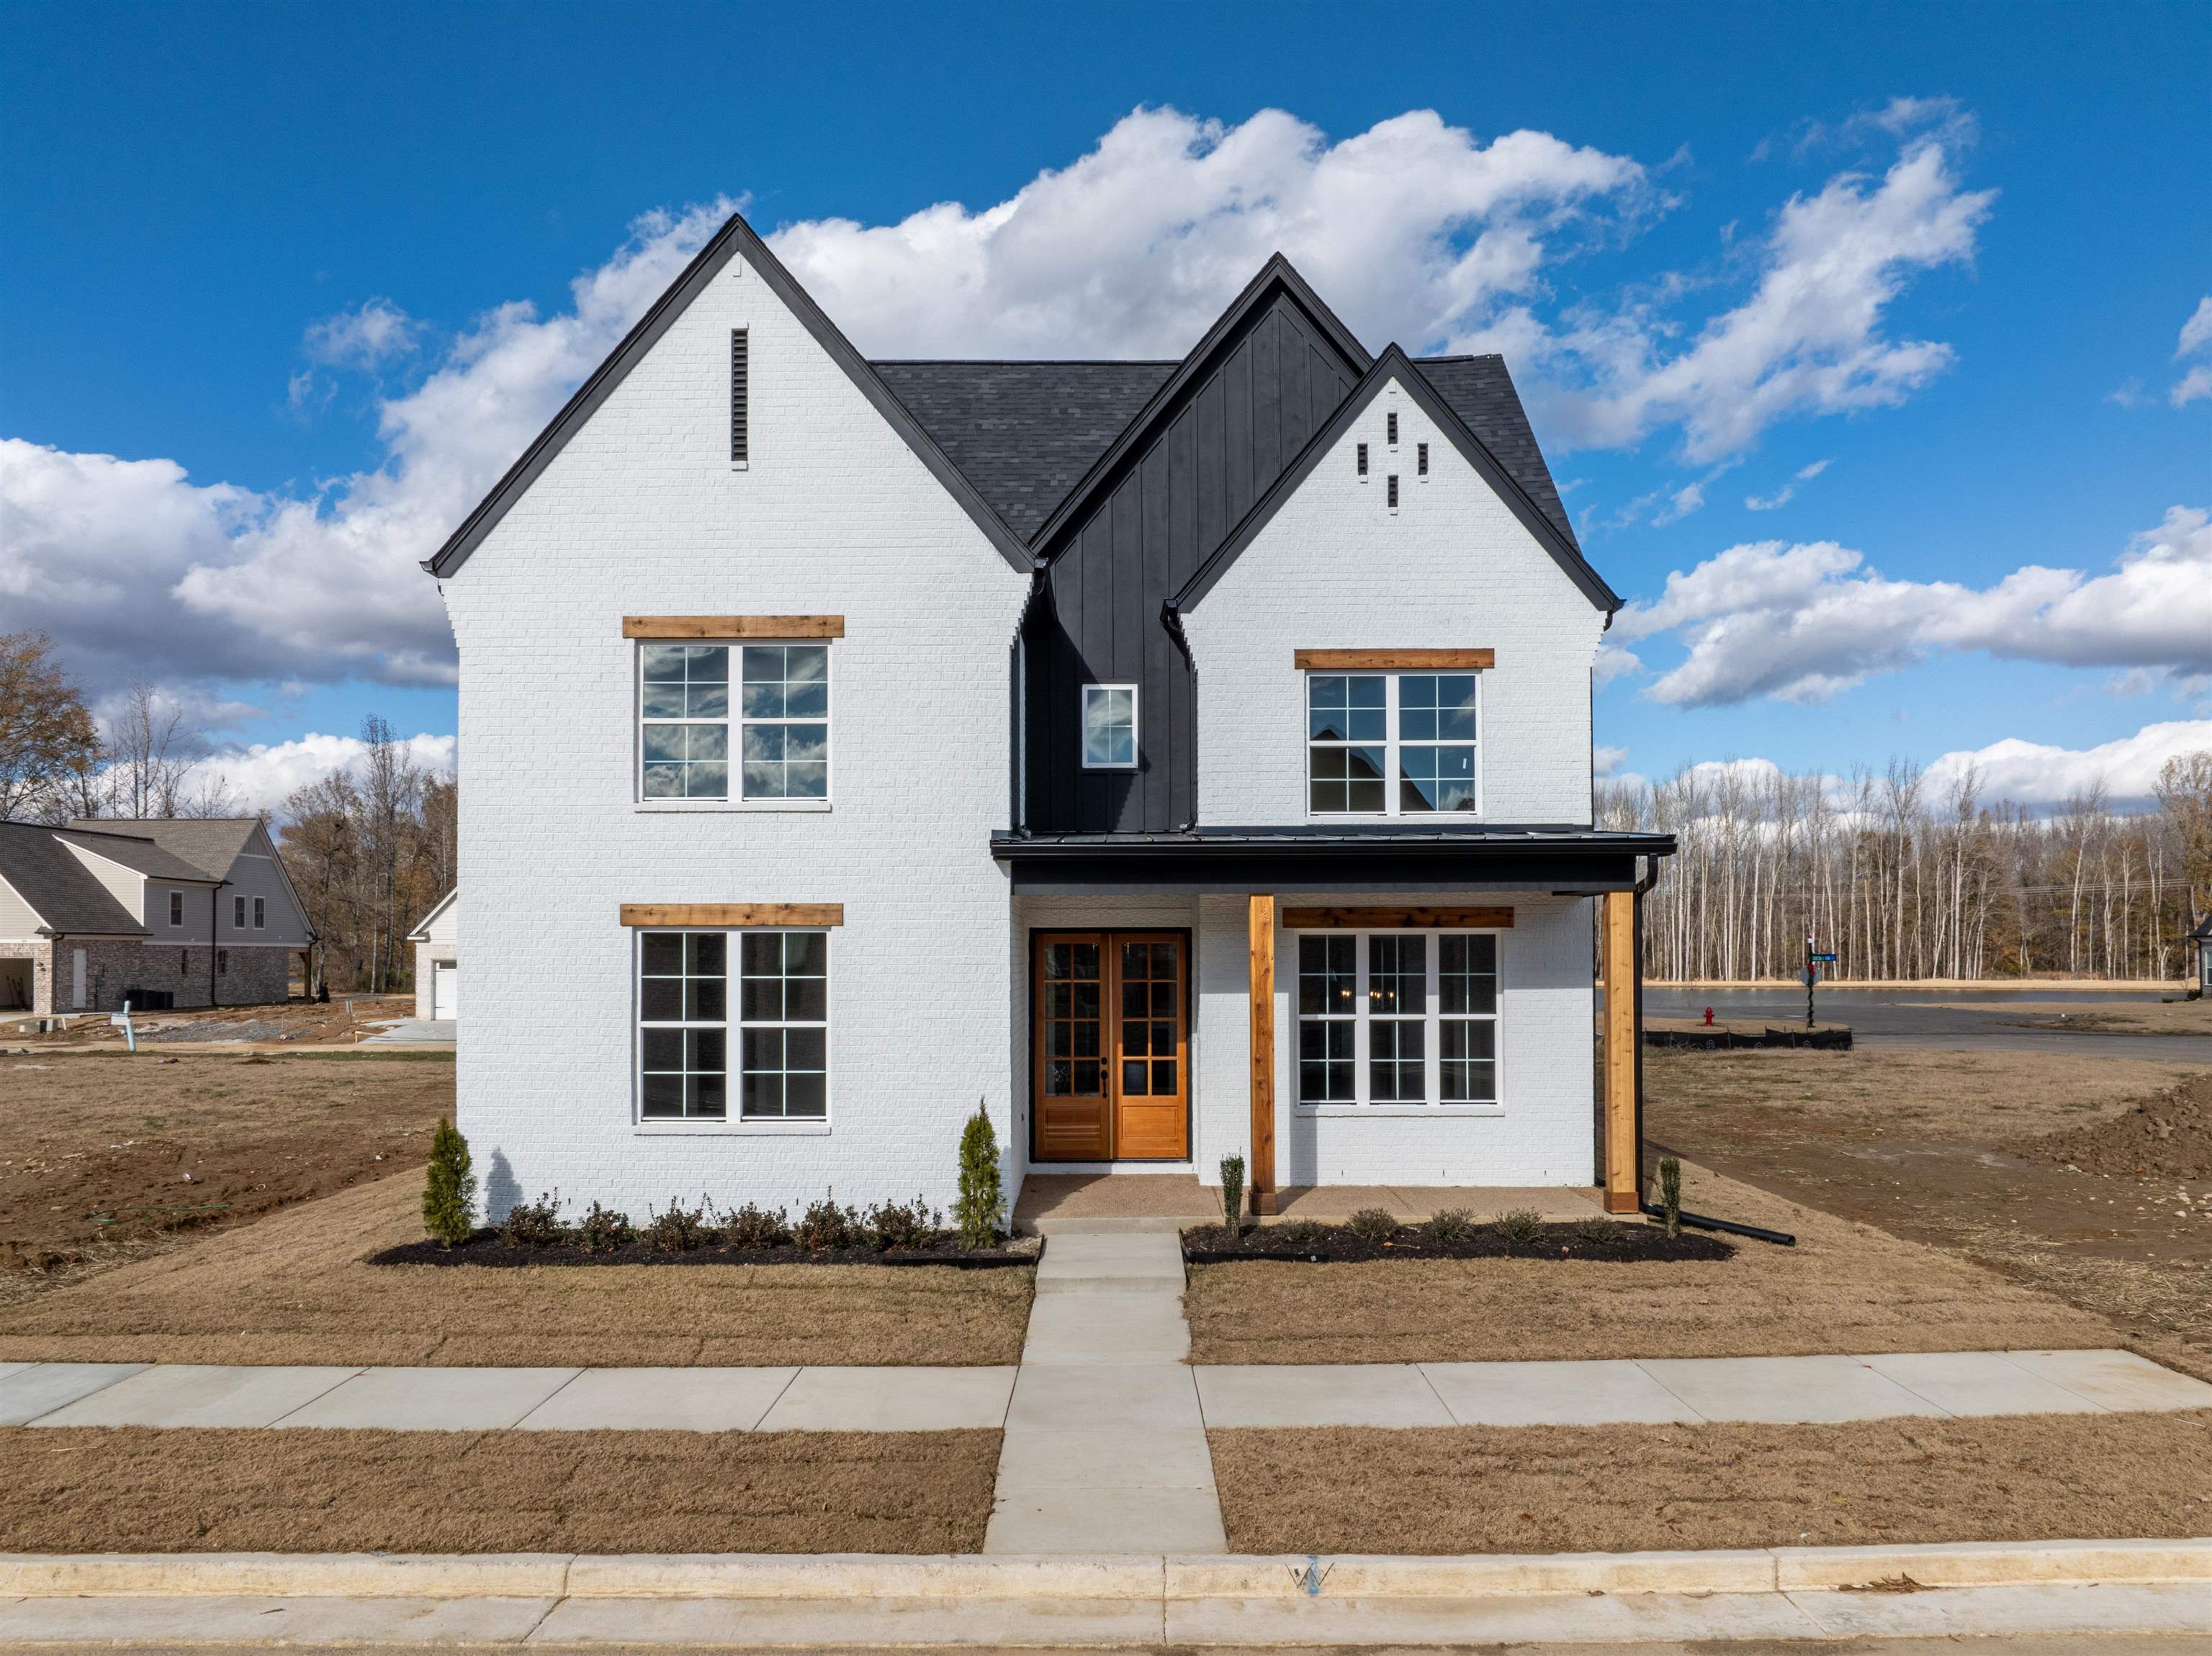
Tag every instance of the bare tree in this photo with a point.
(49, 742)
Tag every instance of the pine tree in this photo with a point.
(977, 1209)
(449, 1195)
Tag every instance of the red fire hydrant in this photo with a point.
(1709, 1018)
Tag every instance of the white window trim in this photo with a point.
(1390, 745)
(736, 801)
(1136, 727)
(735, 1125)
(1433, 1041)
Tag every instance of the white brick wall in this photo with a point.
(641, 514)
(1335, 569)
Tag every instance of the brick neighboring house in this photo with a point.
(165, 912)
(1182, 759)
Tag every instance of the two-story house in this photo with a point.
(1181, 759)
(161, 913)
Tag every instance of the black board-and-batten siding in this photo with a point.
(1174, 497)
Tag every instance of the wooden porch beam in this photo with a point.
(1623, 1177)
(1259, 1172)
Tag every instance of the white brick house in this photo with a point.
(852, 743)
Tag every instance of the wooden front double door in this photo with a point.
(1110, 1040)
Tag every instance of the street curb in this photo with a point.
(1151, 1578)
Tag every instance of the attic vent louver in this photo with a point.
(1394, 491)
(1390, 428)
(1363, 459)
(740, 374)
(1421, 459)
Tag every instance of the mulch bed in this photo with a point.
(486, 1247)
(1212, 1245)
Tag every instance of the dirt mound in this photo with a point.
(2167, 1135)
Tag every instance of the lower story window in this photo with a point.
(1398, 1017)
(777, 1030)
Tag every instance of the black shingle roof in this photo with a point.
(1024, 432)
(1481, 393)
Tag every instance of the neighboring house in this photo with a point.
(1181, 759)
(437, 943)
(164, 914)
(2201, 938)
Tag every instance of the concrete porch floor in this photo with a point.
(1076, 1203)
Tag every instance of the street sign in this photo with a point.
(1831, 958)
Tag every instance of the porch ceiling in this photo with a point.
(1566, 860)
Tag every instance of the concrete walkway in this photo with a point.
(1103, 1401)
(1105, 1447)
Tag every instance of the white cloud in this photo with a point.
(2195, 341)
(2197, 383)
(261, 777)
(366, 337)
(1604, 761)
(1680, 505)
(1788, 492)
(1803, 621)
(2037, 774)
(2197, 333)
(137, 570)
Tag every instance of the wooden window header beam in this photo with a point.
(1342, 661)
(733, 915)
(1395, 919)
(721, 627)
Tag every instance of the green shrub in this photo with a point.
(534, 1224)
(975, 1210)
(1521, 1225)
(1670, 1193)
(825, 1226)
(679, 1230)
(1372, 1225)
(1599, 1233)
(449, 1194)
(1232, 1194)
(910, 1224)
(751, 1227)
(1450, 1225)
(1303, 1233)
(602, 1230)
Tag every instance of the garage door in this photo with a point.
(445, 983)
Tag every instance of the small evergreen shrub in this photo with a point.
(1521, 1225)
(1450, 1225)
(1372, 1225)
(449, 1193)
(975, 1210)
(1232, 1193)
(753, 1227)
(825, 1226)
(679, 1230)
(534, 1224)
(1599, 1233)
(1302, 1233)
(602, 1230)
(908, 1224)
(1670, 1193)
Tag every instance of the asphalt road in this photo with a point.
(1925, 1017)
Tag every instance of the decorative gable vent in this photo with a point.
(1363, 459)
(1393, 501)
(1390, 428)
(740, 372)
(1421, 459)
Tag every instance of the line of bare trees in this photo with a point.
(1900, 880)
(369, 852)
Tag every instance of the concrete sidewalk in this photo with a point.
(1104, 1376)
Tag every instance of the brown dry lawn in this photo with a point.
(108, 1155)
(131, 1489)
(1620, 1488)
(1954, 1149)
(293, 1289)
(2135, 1017)
(1844, 1288)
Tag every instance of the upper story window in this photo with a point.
(1109, 727)
(176, 908)
(260, 914)
(691, 1035)
(238, 912)
(768, 732)
(1392, 744)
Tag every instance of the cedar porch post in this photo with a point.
(1259, 1174)
(1623, 1177)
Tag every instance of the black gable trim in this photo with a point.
(1277, 274)
(1394, 364)
(734, 237)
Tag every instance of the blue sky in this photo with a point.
(258, 254)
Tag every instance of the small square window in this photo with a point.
(1363, 459)
(1109, 727)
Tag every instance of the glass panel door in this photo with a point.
(1150, 1079)
(1073, 1117)
(1111, 1044)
